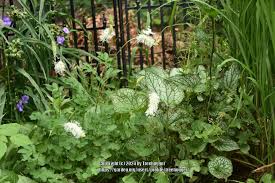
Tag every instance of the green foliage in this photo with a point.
(126, 100)
(10, 135)
(203, 116)
(220, 167)
(244, 20)
(117, 128)
(189, 167)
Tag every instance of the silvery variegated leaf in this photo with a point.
(226, 145)
(159, 82)
(231, 78)
(188, 82)
(220, 167)
(176, 72)
(126, 100)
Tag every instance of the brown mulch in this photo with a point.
(133, 32)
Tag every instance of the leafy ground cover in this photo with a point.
(211, 119)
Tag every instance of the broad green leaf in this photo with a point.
(3, 138)
(175, 72)
(226, 145)
(267, 178)
(23, 179)
(189, 167)
(20, 140)
(126, 100)
(129, 179)
(9, 129)
(250, 181)
(220, 167)
(196, 146)
(143, 146)
(3, 149)
(161, 177)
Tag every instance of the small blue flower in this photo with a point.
(66, 30)
(20, 106)
(60, 40)
(25, 99)
(6, 21)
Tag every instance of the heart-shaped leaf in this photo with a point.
(220, 167)
(126, 100)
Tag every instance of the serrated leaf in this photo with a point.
(189, 167)
(3, 138)
(20, 140)
(23, 179)
(9, 129)
(220, 167)
(161, 177)
(226, 145)
(3, 149)
(142, 146)
(126, 100)
(129, 179)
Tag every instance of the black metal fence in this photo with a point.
(122, 11)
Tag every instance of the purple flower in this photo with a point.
(20, 106)
(25, 99)
(60, 40)
(66, 30)
(6, 21)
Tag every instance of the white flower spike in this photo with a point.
(59, 67)
(107, 35)
(75, 129)
(153, 104)
(148, 32)
(145, 37)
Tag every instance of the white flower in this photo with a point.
(145, 37)
(107, 35)
(147, 32)
(75, 129)
(153, 104)
(59, 67)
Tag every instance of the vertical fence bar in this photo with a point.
(104, 23)
(174, 42)
(2, 50)
(162, 34)
(73, 22)
(122, 42)
(141, 61)
(185, 18)
(151, 25)
(95, 32)
(117, 37)
(11, 2)
(86, 47)
(94, 25)
(3, 7)
(128, 36)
